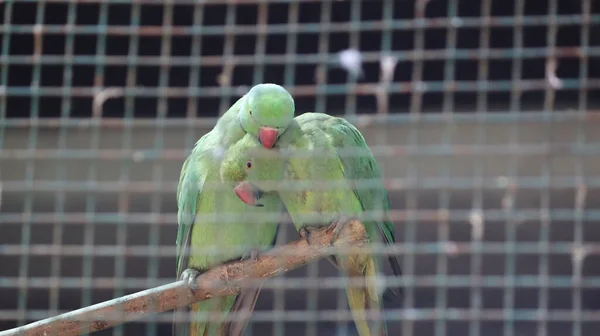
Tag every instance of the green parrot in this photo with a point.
(210, 216)
(316, 169)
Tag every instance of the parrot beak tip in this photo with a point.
(268, 136)
(246, 193)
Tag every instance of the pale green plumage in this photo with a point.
(211, 216)
(314, 181)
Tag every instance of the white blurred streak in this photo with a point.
(476, 220)
(138, 156)
(388, 66)
(551, 77)
(351, 60)
(580, 196)
(578, 257)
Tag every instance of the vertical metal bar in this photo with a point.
(228, 52)
(546, 173)
(542, 329)
(288, 81)
(4, 65)
(90, 204)
(578, 241)
(581, 193)
(381, 138)
(545, 227)
(59, 204)
(511, 223)
(194, 81)
(450, 64)
(416, 98)
(290, 47)
(30, 167)
(312, 300)
(484, 45)
(444, 223)
(410, 231)
(478, 224)
(8, 6)
(159, 144)
(261, 41)
(323, 67)
(350, 105)
(586, 10)
(388, 19)
(123, 197)
(552, 31)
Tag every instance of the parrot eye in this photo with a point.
(250, 111)
(248, 164)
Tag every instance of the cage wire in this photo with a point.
(481, 114)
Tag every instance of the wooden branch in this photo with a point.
(231, 278)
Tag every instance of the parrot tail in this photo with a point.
(208, 318)
(364, 299)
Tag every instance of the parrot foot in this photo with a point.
(337, 227)
(305, 232)
(252, 254)
(189, 276)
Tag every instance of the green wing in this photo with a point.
(361, 165)
(191, 181)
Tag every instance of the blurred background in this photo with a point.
(483, 114)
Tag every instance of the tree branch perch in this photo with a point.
(230, 277)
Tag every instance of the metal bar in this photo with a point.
(334, 27)
(479, 186)
(362, 89)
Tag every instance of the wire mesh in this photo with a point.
(482, 115)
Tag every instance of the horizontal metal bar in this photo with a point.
(434, 183)
(162, 2)
(305, 90)
(408, 314)
(417, 281)
(467, 117)
(420, 248)
(332, 58)
(315, 28)
(427, 216)
(579, 149)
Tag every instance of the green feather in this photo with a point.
(211, 216)
(312, 171)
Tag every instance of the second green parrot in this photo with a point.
(323, 171)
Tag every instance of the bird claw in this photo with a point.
(337, 227)
(189, 277)
(305, 232)
(252, 254)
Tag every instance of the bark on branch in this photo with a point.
(229, 277)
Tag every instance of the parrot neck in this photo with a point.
(241, 124)
(229, 126)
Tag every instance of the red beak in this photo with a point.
(268, 136)
(245, 192)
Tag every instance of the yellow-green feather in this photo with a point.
(328, 139)
(202, 209)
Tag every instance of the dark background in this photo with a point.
(149, 44)
(133, 202)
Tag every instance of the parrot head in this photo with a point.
(266, 112)
(252, 169)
